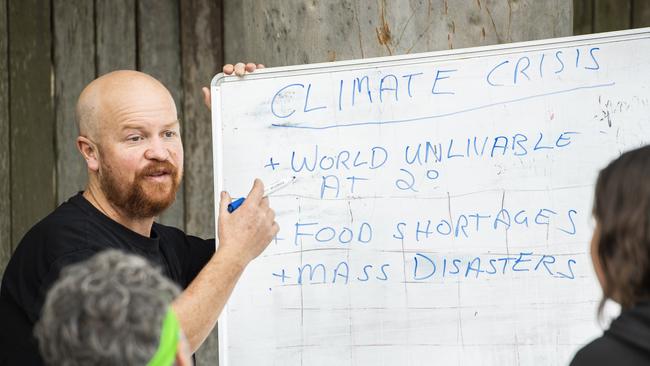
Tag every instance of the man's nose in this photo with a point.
(157, 150)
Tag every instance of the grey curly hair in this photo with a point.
(107, 310)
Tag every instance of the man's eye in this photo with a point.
(170, 134)
(134, 138)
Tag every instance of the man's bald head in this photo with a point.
(117, 94)
(130, 139)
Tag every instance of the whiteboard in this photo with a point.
(442, 210)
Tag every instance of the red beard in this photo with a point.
(142, 198)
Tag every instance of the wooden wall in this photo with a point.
(278, 32)
(595, 16)
(6, 244)
(49, 50)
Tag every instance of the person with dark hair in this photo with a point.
(620, 251)
(112, 309)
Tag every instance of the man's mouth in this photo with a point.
(159, 175)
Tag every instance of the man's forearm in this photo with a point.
(199, 306)
(243, 235)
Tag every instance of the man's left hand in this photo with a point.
(240, 69)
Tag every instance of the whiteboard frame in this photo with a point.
(370, 63)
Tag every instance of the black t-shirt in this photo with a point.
(75, 231)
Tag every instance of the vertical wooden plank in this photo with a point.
(202, 57)
(522, 20)
(612, 15)
(115, 31)
(159, 55)
(31, 114)
(640, 13)
(583, 16)
(74, 68)
(5, 168)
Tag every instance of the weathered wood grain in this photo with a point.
(583, 16)
(5, 167)
(116, 35)
(31, 114)
(611, 15)
(202, 58)
(640, 13)
(74, 68)
(280, 33)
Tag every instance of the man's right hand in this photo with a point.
(246, 232)
(243, 235)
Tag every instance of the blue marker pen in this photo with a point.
(232, 206)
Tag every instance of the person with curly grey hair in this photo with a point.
(112, 309)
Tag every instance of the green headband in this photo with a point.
(169, 337)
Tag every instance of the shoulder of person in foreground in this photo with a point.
(606, 350)
(592, 353)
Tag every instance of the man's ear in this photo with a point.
(89, 152)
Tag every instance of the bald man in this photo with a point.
(129, 137)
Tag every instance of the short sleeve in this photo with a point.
(199, 252)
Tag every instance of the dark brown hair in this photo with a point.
(622, 210)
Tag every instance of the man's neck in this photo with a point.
(96, 197)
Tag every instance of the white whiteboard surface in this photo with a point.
(442, 212)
